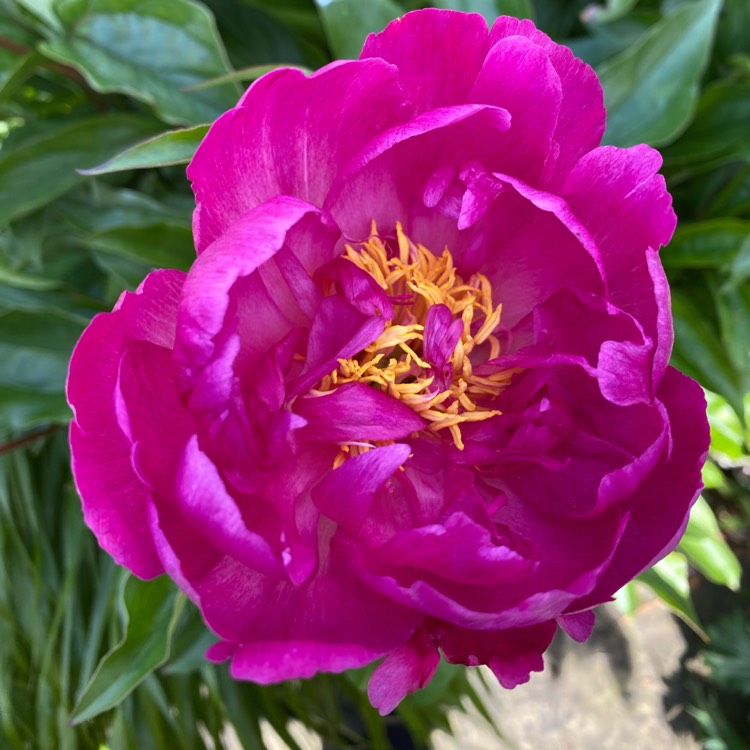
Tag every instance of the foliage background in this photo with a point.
(90, 656)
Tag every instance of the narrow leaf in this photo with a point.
(150, 611)
(165, 149)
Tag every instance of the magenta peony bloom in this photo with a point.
(412, 397)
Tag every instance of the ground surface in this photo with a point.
(612, 693)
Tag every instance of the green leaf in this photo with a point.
(650, 89)
(719, 128)
(668, 579)
(348, 22)
(150, 611)
(148, 49)
(727, 434)
(706, 244)
(38, 162)
(706, 550)
(35, 349)
(729, 653)
(699, 350)
(21, 409)
(162, 245)
(43, 9)
(490, 9)
(172, 147)
(251, 73)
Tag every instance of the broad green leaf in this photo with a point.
(149, 611)
(491, 9)
(719, 128)
(21, 409)
(161, 245)
(347, 23)
(38, 162)
(706, 550)
(706, 244)
(650, 89)
(172, 147)
(669, 581)
(148, 49)
(35, 349)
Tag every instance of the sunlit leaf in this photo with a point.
(669, 581)
(706, 550)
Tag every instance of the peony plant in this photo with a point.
(413, 395)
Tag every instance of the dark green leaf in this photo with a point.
(348, 22)
(721, 126)
(699, 350)
(148, 49)
(38, 162)
(706, 550)
(729, 653)
(150, 611)
(21, 409)
(706, 244)
(159, 245)
(651, 88)
(35, 349)
(172, 147)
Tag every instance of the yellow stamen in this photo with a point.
(416, 279)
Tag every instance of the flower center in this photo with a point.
(424, 356)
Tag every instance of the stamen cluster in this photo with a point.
(416, 279)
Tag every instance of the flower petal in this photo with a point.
(115, 501)
(356, 412)
(289, 134)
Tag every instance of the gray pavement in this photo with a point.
(607, 694)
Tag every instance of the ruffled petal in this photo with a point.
(661, 508)
(511, 654)
(115, 501)
(289, 135)
(429, 80)
(580, 125)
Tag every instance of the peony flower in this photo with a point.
(413, 396)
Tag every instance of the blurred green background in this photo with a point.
(91, 657)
